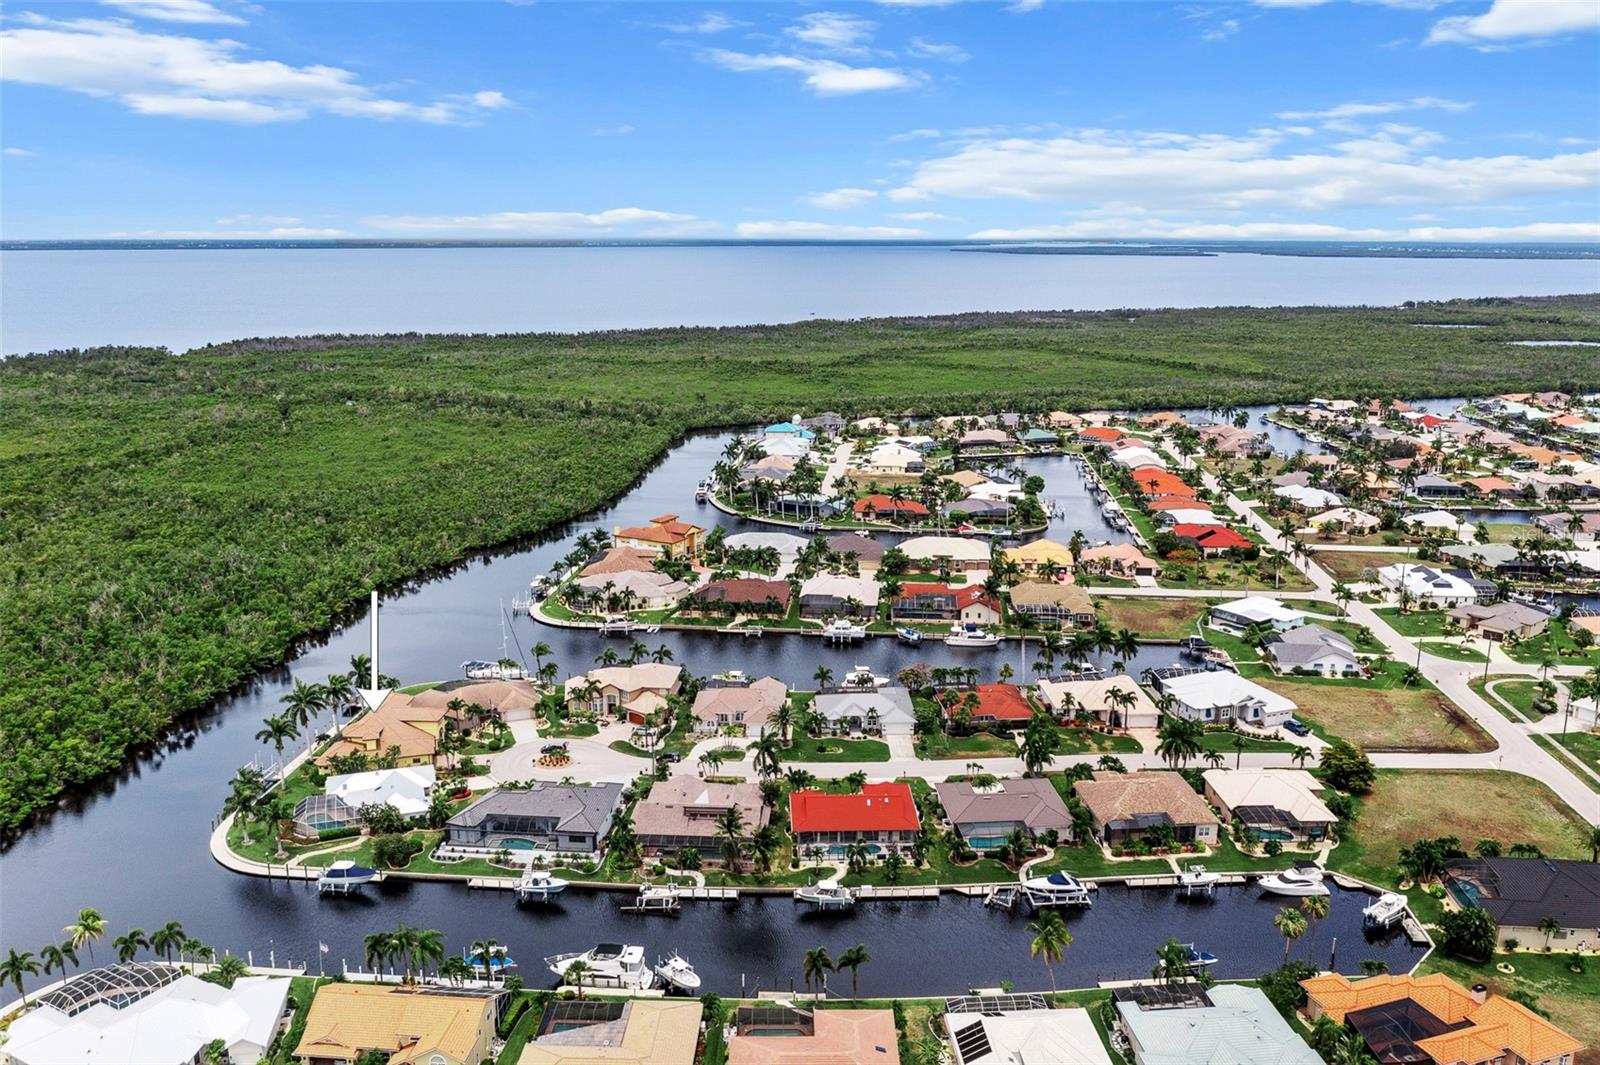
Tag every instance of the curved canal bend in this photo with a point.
(136, 848)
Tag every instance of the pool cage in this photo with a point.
(117, 986)
(765, 1020)
(317, 814)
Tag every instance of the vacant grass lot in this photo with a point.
(1586, 745)
(1155, 619)
(1382, 714)
(1347, 565)
(1413, 622)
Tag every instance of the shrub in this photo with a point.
(395, 851)
(1467, 934)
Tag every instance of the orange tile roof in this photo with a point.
(1103, 433)
(666, 529)
(1154, 481)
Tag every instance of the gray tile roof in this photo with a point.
(577, 808)
(1523, 891)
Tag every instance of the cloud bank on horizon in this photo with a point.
(1471, 120)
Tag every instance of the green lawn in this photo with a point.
(527, 1024)
(1556, 644)
(1413, 622)
(1070, 740)
(1239, 650)
(559, 729)
(302, 989)
(1090, 860)
(1223, 743)
(1512, 697)
(978, 745)
(1585, 745)
(1349, 565)
(1233, 576)
(835, 749)
(1455, 652)
(1383, 714)
(1154, 619)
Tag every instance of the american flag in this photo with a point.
(322, 948)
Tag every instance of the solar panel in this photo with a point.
(972, 1043)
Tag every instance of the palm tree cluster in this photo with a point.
(411, 948)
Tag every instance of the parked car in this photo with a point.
(553, 748)
(670, 756)
(1297, 727)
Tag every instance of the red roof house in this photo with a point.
(884, 507)
(967, 603)
(1154, 481)
(882, 813)
(1101, 434)
(1212, 539)
(997, 704)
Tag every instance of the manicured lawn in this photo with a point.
(1226, 857)
(1090, 860)
(938, 869)
(1348, 565)
(1455, 652)
(1238, 650)
(1154, 619)
(511, 1053)
(1088, 741)
(1569, 998)
(1382, 714)
(978, 745)
(1222, 742)
(835, 749)
(1585, 745)
(302, 989)
(561, 730)
(1558, 646)
(1413, 622)
(1513, 698)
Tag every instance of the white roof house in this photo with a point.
(1315, 649)
(1439, 521)
(788, 446)
(1067, 696)
(1237, 1024)
(961, 553)
(895, 458)
(1426, 584)
(1308, 498)
(999, 491)
(407, 789)
(169, 1026)
(1239, 614)
(1134, 457)
(890, 708)
(788, 545)
(1293, 792)
(1348, 517)
(651, 590)
(1025, 1037)
(825, 590)
(1224, 696)
(1199, 515)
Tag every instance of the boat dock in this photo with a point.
(1167, 880)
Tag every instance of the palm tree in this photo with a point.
(1238, 750)
(278, 732)
(1214, 759)
(575, 974)
(130, 944)
(1292, 923)
(428, 948)
(783, 720)
(15, 967)
(768, 761)
(823, 676)
(1179, 740)
(730, 833)
(229, 969)
(378, 949)
(816, 966)
(1050, 941)
(710, 762)
(166, 939)
(483, 951)
(856, 856)
(86, 930)
(853, 959)
(456, 969)
(1315, 907)
(55, 958)
(302, 703)
(1548, 925)
(1300, 755)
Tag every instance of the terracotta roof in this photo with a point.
(1218, 536)
(688, 806)
(882, 504)
(1122, 796)
(1103, 433)
(1033, 801)
(1154, 481)
(965, 595)
(842, 1037)
(1039, 551)
(392, 724)
(621, 560)
(744, 590)
(666, 529)
(346, 1020)
(1003, 702)
(884, 807)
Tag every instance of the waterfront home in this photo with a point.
(1343, 519)
(149, 1013)
(568, 818)
(1429, 486)
(1190, 1024)
(1496, 621)
(1212, 539)
(967, 479)
(1061, 419)
(628, 1032)
(1231, 441)
(1314, 649)
(1137, 456)
(1237, 615)
(829, 421)
(787, 545)
(967, 603)
(1119, 560)
(789, 429)
(1116, 701)
(1125, 806)
(1099, 435)
(950, 422)
(1519, 893)
(1038, 554)
(1185, 512)
(781, 1035)
(986, 819)
(886, 508)
(1439, 523)
(983, 438)
(1063, 604)
(896, 459)
(683, 812)
(834, 593)
(1221, 696)
(874, 425)
(1155, 483)
(1005, 1032)
(884, 815)
(1493, 487)
(976, 509)
(665, 533)
(1561, 526)
(866, 551)
(1280, 804)
(636, 691)
(741, 595)
(1308, 499)
(1426, 585)
(996, 492)
(1434, 1019)
(887, 710)
(1037, 437)
(720, 705)
(1505, 560)
(411, 1025)
(1293, 479)
(637, 589)
(958, 554)
(408, 789)
(772, 468)
(988, 707)
(397, 726)
(510, 700)
(622, 560)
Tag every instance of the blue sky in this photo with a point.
(1278, 119)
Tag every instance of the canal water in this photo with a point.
(135, 848)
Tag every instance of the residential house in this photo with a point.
(1120, 560)
(622, 560)
(1099, 435)
(1116, 701)
(995, 492)
(1125, 806)
(1314, 649)
(1137, 456)
(885, 508)
(789, 429)
(967, 479)
(665, 533)
(887, 710)
(626, 1032)
(1519, 893)
(977, 509)
(1213, 539)
(874, 424)
(1035, 554)
(1280, 804)
(1237, 615)
(722, 705)
(1154, 483)
(511, 700)
(867, 551)
(1496, 621)
(834, 593)
(779, 1035)
(741, 595)
(894, 459)
(1001, 1031)
(990, 707)
(1430, 486)
(1308, 499)
(408, 789)
(1222, 696)
(983, 438)
(1037, 437)
(1180, 511)
(1434, 1019)
(1344, 519)
(884, 814)
(567, 818)
(1493, 487)
(956, 553)
(772, 469)
(1060, 419)
(1426, 585)
(967, 603)
(637, 691)
(1231, 441)
(986, 819)
(412, 1025)
(1189, 1024)
(635, 589)
(1053, 602)
(1161, 420)
(682, 813)
(787, 545)
(1439, 523)
(829, 421)
(397, 728)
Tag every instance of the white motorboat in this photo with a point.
(1198, 958)
(475, 669)
(540, 886)
(907, 635)
(678, 974)
(608, 965)
(1297, 883)
(1198, 878)
(540, 587)
(499, 960)
(655, 898)
(1389, 908)
(841, 630)
(827, 894)
(616, 625)
(345, 876)
(971, 636)
(863, 677)
(1057, 889)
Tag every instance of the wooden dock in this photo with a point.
(917, 891)
(493, 883)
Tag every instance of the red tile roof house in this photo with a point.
(1100, 434)
(881, 506)
(969, 604)
(1212, 539)
(741, 595)
(883, 814)
(1155, 482)
(991, 705)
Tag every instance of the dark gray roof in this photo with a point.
(864, 547)
(577, 807)
(1523, 891)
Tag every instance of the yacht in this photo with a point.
(970, 636)
(826, 894)
(907, 635)
(1389, 908)
(609, 965)
(616, 625)
(863, 677)
(1198, 878)
(842, 630)
(539, 885)
(1057, 889)
(345, 876)
(473, 669)
(540, 587)
(678, 974)
(1297, 882)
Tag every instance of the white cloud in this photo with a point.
(708, 23)
(613, 131)
(1218, 171)
(1221, 31)
(841, 199)
(274, 233)
(825, 77)
(258, 220)
(1022, 7)
(823, 231)
(537, 223)
(187, 77)
(1382, 107)
(1145, 228)
(20, 153)
(949, 53)
(1420, 5)
(917, 3)
(190, 11)
(1517, 21)
(833, 31)
(922, 216)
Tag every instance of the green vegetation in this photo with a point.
(1384, 713)
(1090, 860)
(1414, 622)
(173, 524)
(978, 745)
(1154, 619)
(1556, 644)
(835, 749)
(1349, 565)
(1585, 746)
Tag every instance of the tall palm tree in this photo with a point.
(56, 957)
(1547, 924)
(1292, 923)
(575, 974)
(17, 966)
(428, 948)
(1050, 941)
(816, 966)
(823, 676)
(768, 760)
(456, 969)
(378, 948)
(229, 969)
(1300, 755)
(130, 944)
(1315, 907)
(483, 950)
(730, 836)
(853, 959)
(87, 930)
(1214, 759)
(303, 702)
(166, 939)
(279, 731)
(1238, 750)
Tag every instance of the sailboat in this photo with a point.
(503, 669)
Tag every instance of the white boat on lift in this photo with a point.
(617, 625)
(678, 974)
(1299, 882)
(617, 965)
(970, 636)
(539, 886)
(1197, 878)
(908, 635)
(863, 677)
(842, 630)
(1198, 958)
(343, 877)
(1057, 889)
(826, 895)
(1390, 908)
